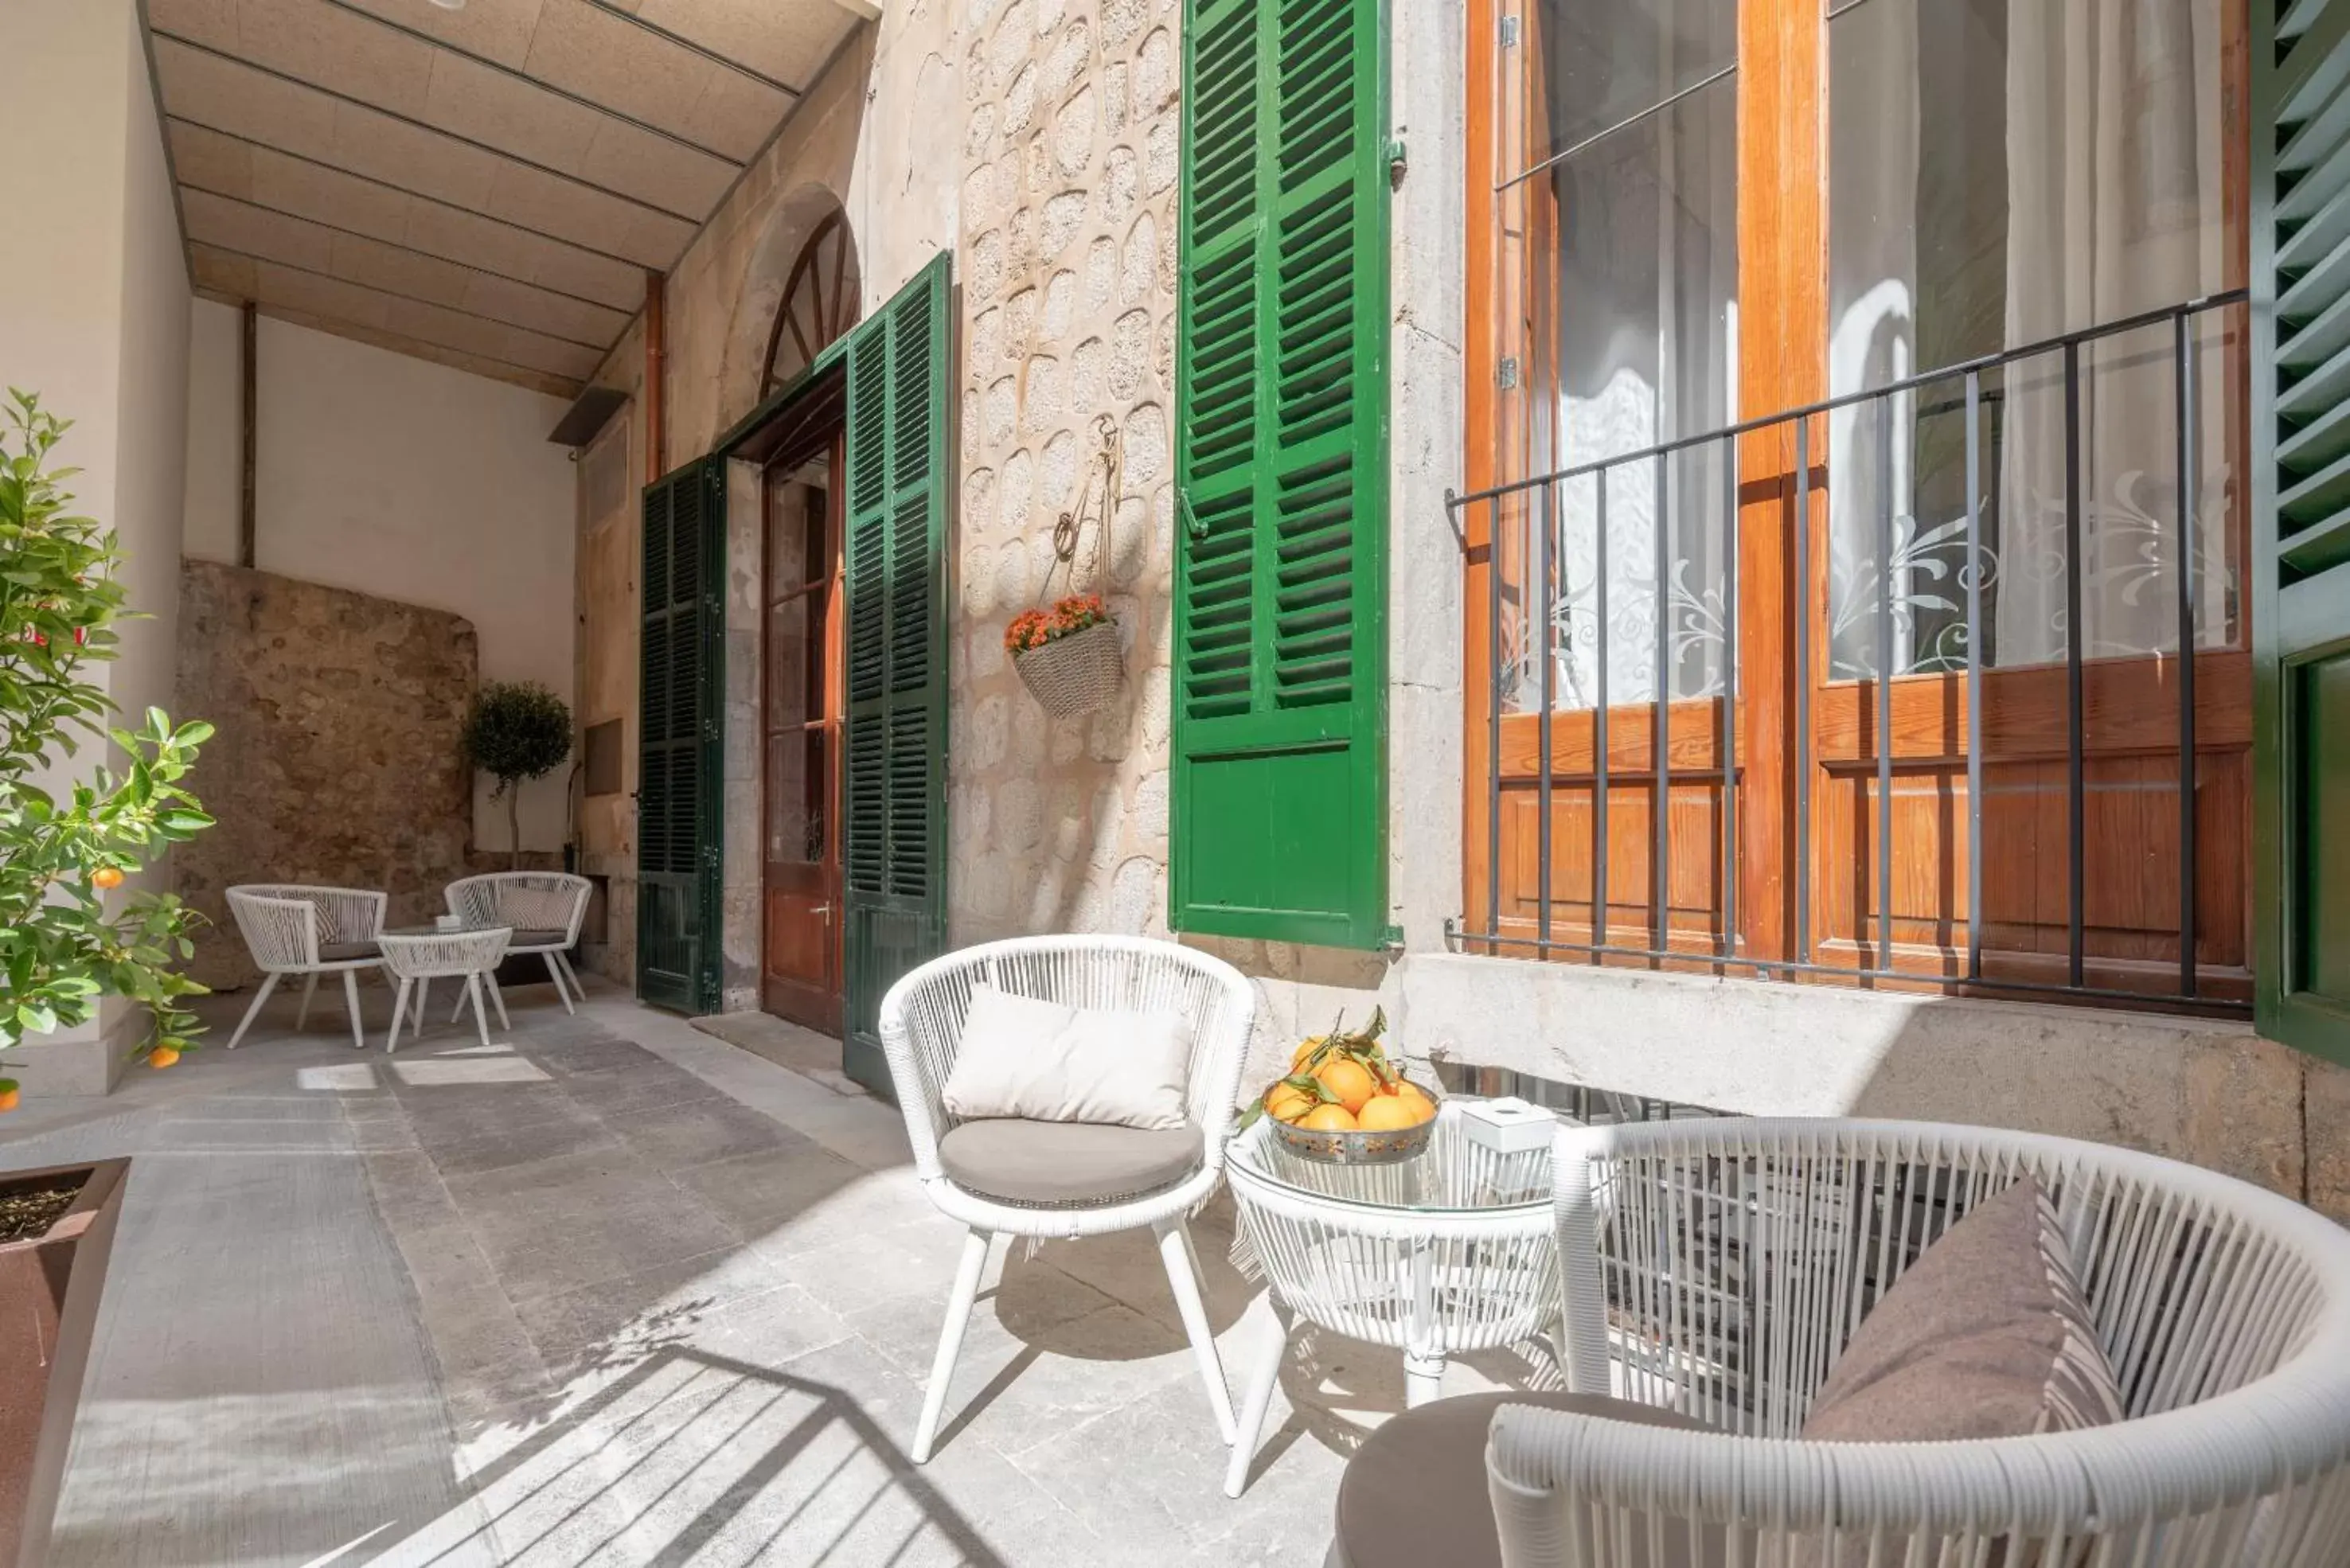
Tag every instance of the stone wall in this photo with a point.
(337, 759)
(1067, 254)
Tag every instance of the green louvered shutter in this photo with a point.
(682, 681)
(893, 777)
(1279, 814)
(2301, 509)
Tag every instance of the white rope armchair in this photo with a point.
(544, 909)
(921, 1024)
(308, 932)
(1728, 1263)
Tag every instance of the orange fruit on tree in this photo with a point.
(106, 876)
(1287, 1102)
(1349, 1080)
(162, 1057)
(1329, 1119)
(8, 1098)
(1391, 1113)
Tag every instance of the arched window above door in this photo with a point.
(819, 301)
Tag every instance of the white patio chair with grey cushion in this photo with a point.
(544, 911)
(1737, 1283)
(309, 931)
(1014, 1177)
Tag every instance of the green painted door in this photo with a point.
(682, 676)
(893, 772)
(1278, 818)
(2301, 510)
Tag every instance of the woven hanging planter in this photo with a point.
(1074, 674)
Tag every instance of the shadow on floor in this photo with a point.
(688, 1453)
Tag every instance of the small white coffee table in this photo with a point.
(418, 955)
(1451, 1250)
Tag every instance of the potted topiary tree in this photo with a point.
(64, 941)
(518, 731)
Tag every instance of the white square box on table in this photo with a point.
(1508, 1125)
(448, 922)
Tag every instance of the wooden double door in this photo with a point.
(800, 734)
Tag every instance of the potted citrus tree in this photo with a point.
(70, 835)
(518, 731)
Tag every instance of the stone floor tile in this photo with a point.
(797, 1198)
(679, 1136)
(582, 1219)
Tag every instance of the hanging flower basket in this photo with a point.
(1067, 657)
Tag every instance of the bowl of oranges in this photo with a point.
(1344, 1101)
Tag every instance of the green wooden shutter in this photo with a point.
(1278, 822)
(893, 777)
(2300, 511)
(682, 681)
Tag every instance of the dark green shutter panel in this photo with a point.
(682, 680)
(894, 768)
(1279, 814)
(2300, 511)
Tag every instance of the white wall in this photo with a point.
(94, 305)
(403, 479)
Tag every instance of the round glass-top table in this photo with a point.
(1448, 1252)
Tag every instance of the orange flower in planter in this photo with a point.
(1032, 629)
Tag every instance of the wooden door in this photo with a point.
(800, 965)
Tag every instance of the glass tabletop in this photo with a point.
(457, 930)
(1455, 1175)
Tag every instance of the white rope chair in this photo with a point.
(921, 1026)
(1725, 1264)
(308, 932)
(544, 911)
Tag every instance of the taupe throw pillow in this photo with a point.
(1987, 1335)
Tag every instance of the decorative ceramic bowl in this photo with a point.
(1362, 1147)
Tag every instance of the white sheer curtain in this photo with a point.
(2116, 206)
(2098, 145)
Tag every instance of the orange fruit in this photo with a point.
(8, 1098)
(1306, 1048)
(1349, 1080)
(106, 876)
(162, 1057)
(1328, 1119)
(1287, 1102)
(1412, 1095)
(1390, 1113)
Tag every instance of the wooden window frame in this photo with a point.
(1780, 912)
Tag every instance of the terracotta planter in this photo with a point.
(49, 1285)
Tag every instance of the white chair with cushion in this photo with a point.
(1887, 1343)
(1118, 1059)
(544, 909)
(309, 931)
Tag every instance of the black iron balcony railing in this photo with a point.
(1992, 571)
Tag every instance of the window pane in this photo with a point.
(1593, 64)
(2002, 173)
(795, 661)
(1624, 304)
(796, 780)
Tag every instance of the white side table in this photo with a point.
(1451, 1250)
(420, 955)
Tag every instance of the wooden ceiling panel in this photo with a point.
(482, 186)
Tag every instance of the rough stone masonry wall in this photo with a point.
(337, 759)
(1067, 258)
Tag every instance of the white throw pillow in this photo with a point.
(1022, 1057)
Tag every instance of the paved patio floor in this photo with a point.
(612, 1291)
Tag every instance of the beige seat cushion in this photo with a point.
(534, 940)
(344, 953)
(1023, 1057)
(1986, 1336)
(1058, 1164)
(1414, 1495)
